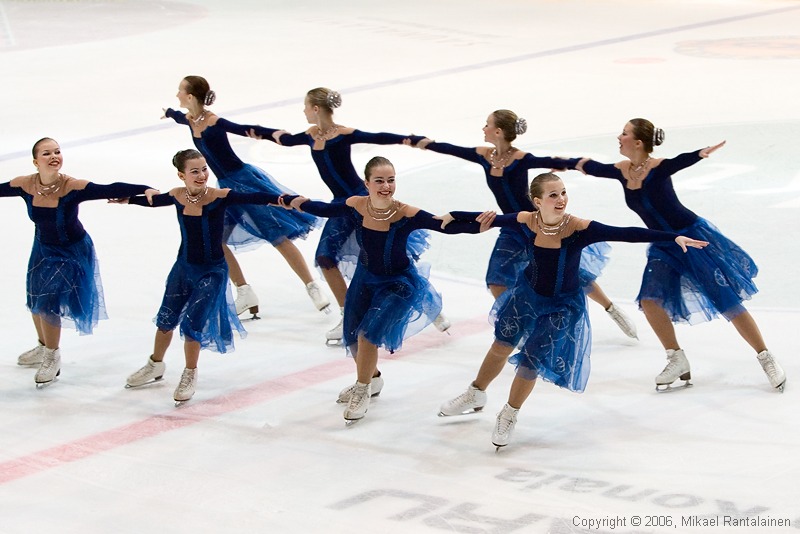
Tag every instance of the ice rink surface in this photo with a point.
(262, 447)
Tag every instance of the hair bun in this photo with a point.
(211, 97)
(520, 126)
(334, 99)
(658, 136)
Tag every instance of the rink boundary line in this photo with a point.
(428, 76)
(197, 412)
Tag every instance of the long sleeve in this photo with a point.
(177, 116)
(529, 161)
(94, 191)
(325, 209)
(500, 221)
(602, 170)
(381, 138)
(469, 154)
(159, 201)
(680, 162)
(597, 232)
(6, 190)
(425, 220)
(235, 197)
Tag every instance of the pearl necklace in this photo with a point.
(200, 118)
(328, 134)
(638, 168)
(499, 163)
(194, 199)
(381, 214)
(49, 189)
(552, 229)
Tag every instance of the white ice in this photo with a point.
(262, 447)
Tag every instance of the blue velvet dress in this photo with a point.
(63, 280)
(337, 244)
(693, 287)
(510, 253)
(246, 225)
(389, 299)
(544, 313)
(197, 296)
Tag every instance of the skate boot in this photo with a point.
(333, 337)
(471, 401)
(319, 299)
(376, 385)
(32, 357)
(246, 300)
(359, 403)
(151, 372)
(442, 323)
(623, 321)
(49, 369)
(506, 420)
(677, 367)
(774, 371)
(185, 389)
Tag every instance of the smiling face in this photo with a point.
(194, 175)
(381, 185)
(551, 200)
(629, 146)
(47, 157)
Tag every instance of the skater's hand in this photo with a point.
(423, 143)
(486, 219)
(446, 219)
(117, 200)
(709, 150)
(150, 193)
(297, 202)
(251, 133)
(163, 113)
(684, 242)
(581, 163)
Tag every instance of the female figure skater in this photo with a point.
(545, 312)
(196, 295)
(245, 225)
(506, 169)
(683, 288)
(63, 281)
(330, 145)
(389, 300)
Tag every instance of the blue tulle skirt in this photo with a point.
(553, 335)
(250, 225)
(702, 283)
(389, 309)
(198, 299)
(511, 255)
(64, 286)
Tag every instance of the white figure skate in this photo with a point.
(773, 370)
(359, 403)
(32, 357)
(185, 390)
(376, 385)
(50, 368)
(623, 321)
(150, 373)
(246, 300)
(504, 427)
(319, 299)
(471, 401)
(677, 367)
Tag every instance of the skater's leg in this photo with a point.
(234, 269)
(49, 333)
(295, 259)
(161, 344)
(366, 360)
(191, 350)
(661, 324)
(748, 329)
(599, 296)
(496, 290)
(521, 389)
(37, 324)
(337, 284)
(493, 364)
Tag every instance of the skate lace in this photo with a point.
(504, 422)
(357, 397)
(186, 380)
(768, 364)
(672, 365)
(48, 364)
(464, 399)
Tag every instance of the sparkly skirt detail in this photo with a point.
(197, 298)
(64, 286)
(387, 309)
(250, 225)
(703, 283)
(552, 334)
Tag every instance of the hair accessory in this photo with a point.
(658, 136)
(211, 96)
(520, 126)
(334, 99)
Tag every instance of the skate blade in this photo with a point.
(42, 385)
(153, 381)
(253, 317)
(325, 309)
(340, 401)
(350, 422)
(467, 412)
(333, 342)
(781, 386)
(666, 388)
(498, 447)
(178, 403)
